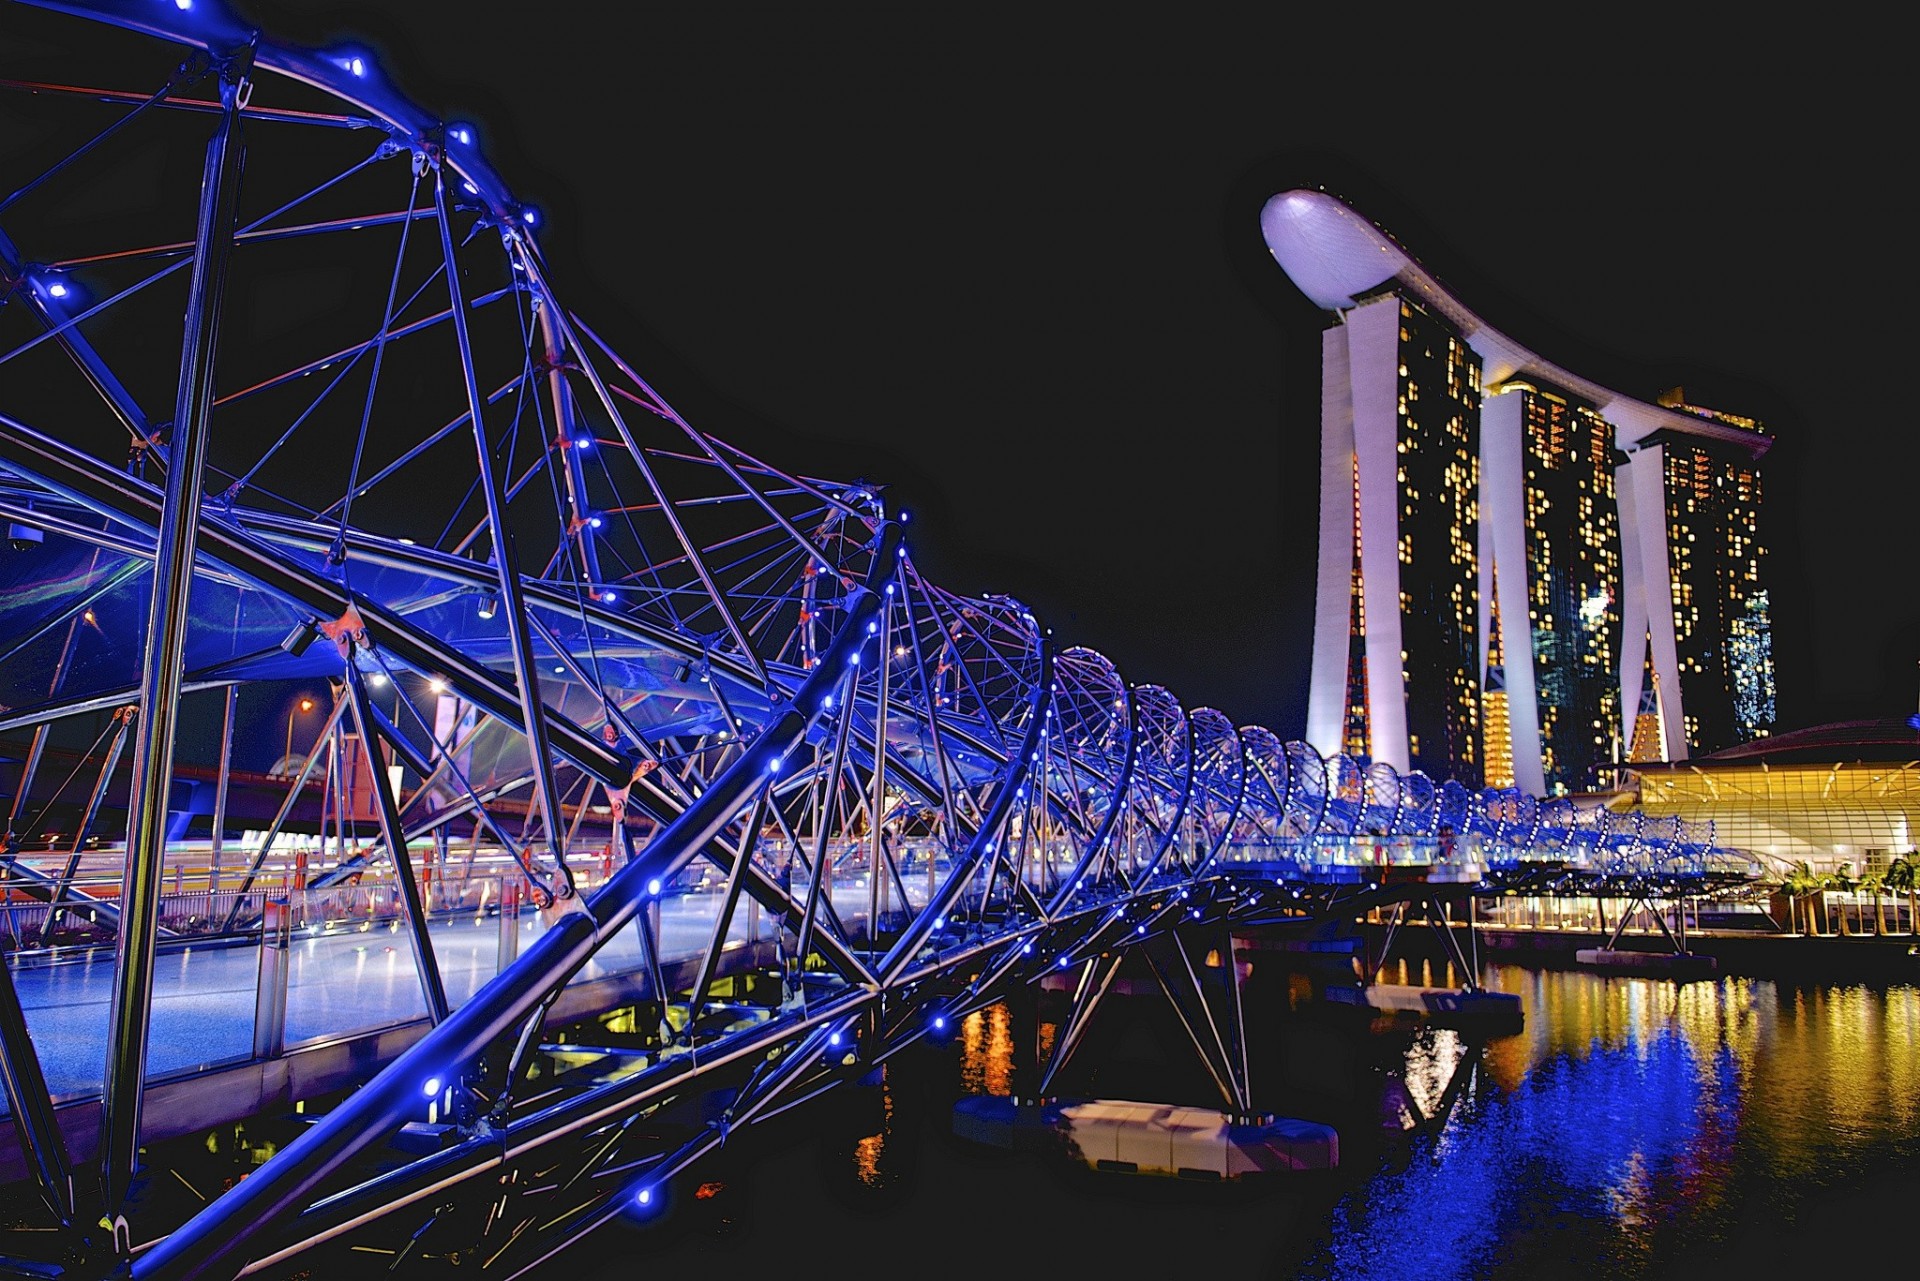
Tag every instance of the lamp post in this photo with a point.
(304, 705)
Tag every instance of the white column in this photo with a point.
(1503, 546)
(1641, 485)
(1373, 342)
(1327, 690)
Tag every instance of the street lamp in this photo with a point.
(305, 704)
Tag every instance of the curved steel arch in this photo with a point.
(1307, 789)
(1419, 809)
(1381, 810)
(1219, 784)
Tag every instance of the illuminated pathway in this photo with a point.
(339, 983)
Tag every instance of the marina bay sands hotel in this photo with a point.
(1524, 577)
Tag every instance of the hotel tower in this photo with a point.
(1524, 577)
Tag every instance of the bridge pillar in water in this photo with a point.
(1023, 1015)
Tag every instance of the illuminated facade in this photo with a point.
(1496, 728)
(1841, 796)
(1553, 530)
(1396, 635)
(1608, 548)
(1704, 528)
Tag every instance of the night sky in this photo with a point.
(1008, 263)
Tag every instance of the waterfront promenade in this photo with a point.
(1858, 957)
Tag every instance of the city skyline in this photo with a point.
(1030, 296)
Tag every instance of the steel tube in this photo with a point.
(122, 498)
(56, 900)
(511, 598)
(215, 1242)
(38, 747)
(426, 963)
(580, 526)
(124, 1079)
(26, 1085)
(218, 834)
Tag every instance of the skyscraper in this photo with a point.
(1396, 632)
(1553, 527)
(1692, 493)
(1507, 547)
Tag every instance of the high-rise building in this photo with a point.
(1694, 493)
(1396, 636)
(1553, 527)
(1508, 548)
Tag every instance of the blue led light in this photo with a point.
(1065, 961)
(653, 886)
(773, 766)
(643, 1197)
(834, 1039)
(432, 1086)
(939, 1022)
(460, 133)
(529, 217)
(56, 290)
(183, 5)
(356, 66)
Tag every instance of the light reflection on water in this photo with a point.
(1633, 1129)
(986, 1051)
(1631, 1121)
(1634, 1121)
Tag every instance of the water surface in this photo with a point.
(1634, 1128)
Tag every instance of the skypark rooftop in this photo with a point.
(1336, 256)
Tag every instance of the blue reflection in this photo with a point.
(1591, 1146)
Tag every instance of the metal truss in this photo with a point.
(323, 417)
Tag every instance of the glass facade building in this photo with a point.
(1437, 544)
(1397, 645)
(1561, 553)
(1841, 798)
(1723, 629)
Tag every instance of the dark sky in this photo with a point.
(1009, 263)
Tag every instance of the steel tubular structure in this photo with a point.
(749, 773)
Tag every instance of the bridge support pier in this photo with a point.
(1466, 961)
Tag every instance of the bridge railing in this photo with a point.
(1353, 856)
(327, 964)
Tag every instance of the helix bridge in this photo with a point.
(290, 400)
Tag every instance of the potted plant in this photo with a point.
(1901, 879)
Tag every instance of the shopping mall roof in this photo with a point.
(1889, 740)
